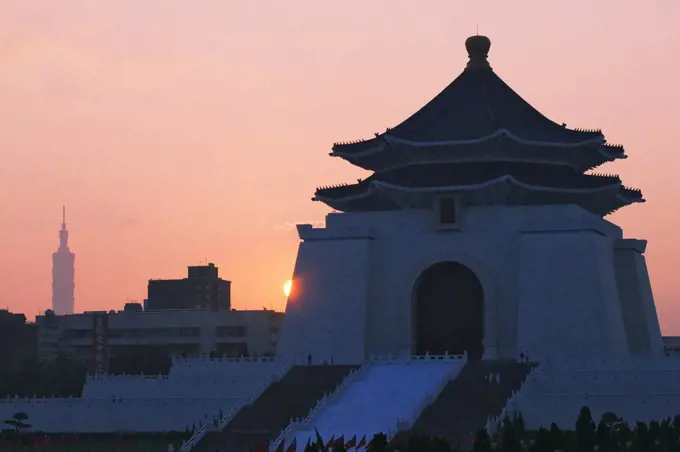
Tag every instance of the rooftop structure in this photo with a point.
(480, 232)
(202, 289)
(480, 139)
(477, 112)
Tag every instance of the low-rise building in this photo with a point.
(18, 341)
(190, 332)
(49, 337)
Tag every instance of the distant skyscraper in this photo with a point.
(63, 273)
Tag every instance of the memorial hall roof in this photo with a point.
(465, 176)
(477, 106)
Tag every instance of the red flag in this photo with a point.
(362, 443)
(293, 445)
(352, 442)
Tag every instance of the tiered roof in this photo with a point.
(481, 139)
(478, 116)
(413, 187)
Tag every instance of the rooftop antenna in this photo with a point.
(477, 29)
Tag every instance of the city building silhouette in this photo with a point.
(63, 273)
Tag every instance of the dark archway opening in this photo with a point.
(448, 311)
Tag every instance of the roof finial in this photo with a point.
(478, 50)
(63, 213)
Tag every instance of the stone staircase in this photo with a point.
(292, 397)
(467, 402)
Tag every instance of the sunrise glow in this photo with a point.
(287, 286)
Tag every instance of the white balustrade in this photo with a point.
(62, 415)
(494, 424)
(284, 367)
(637, 388)
(226, 377)
(194, 394)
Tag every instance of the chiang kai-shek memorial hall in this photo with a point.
(480, 231)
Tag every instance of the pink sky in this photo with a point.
(177, 131)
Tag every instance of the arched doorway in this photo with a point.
(448, 311)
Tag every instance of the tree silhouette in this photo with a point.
(18, 421)
(556, 437)
(542, 441)
(518, 424)
(585, 431)
(482, 441)
(378, 443)
(510, 441)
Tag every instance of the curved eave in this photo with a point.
(626, 199)
(357, 147)
(340, 196)
(397, 152)
(391, 155)
(378, 144)
(632, 194)
(613, 151)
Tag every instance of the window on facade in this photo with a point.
(234, 350)
(231, 331)
(447, 211)
(78, 333)
(188, 332)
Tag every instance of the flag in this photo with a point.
(339, 443)
(293, 445)
(362, 443)
(319, 441)
(330, 442)
(352, 442)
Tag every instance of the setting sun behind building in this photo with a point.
(287, 286)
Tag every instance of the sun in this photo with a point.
(287, 286)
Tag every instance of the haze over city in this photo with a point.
(180, 133)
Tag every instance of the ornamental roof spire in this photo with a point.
(478, 50)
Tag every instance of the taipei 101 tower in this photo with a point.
(63, 273)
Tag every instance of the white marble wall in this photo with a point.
(326, 310)
(569, 300)
(117, 415)
(194, 393)
(546, 271)
(636, 298)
